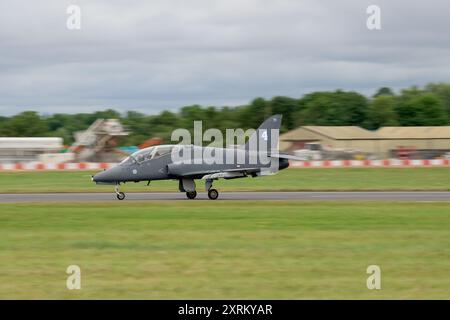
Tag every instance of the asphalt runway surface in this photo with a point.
(317, 196)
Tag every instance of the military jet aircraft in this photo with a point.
(259, 156)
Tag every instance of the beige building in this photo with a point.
(383, 143)
(431, 142)
(336, 137)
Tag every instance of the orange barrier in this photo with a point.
(370, 163)
(36, 166)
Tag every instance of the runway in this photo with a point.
(317, 196)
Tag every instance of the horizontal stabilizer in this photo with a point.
(285, 156)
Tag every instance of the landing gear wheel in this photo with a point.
(120, 195)
(191, 194)
(213, 194)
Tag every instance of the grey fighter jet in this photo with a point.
(187, 163)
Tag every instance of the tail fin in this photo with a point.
(266, 136)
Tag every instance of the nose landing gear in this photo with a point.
(119, 195)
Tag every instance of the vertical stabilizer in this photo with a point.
(266, 136)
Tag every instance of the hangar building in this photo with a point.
(420, 142)
(386, 142)
(337, 137)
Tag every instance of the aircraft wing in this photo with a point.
(225, 175)
(187, 171)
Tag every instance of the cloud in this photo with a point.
(154, 55)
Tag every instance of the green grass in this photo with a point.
(225, 249)
(287, 180)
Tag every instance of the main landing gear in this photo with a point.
(191, 194)
(119, 195)
(188, 186)
(213, 194)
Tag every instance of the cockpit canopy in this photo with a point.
(148, 154)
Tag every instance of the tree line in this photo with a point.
(414, 106)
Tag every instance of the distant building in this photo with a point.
(418, 142)
(336, 137)
(14, 150)
(387, 142)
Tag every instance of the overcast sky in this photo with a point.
(154, 55)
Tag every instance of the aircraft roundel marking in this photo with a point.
(134, 171)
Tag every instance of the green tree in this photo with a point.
(384, 91)
(106, 114)
(381, 112)
(163, 125)
(409, 93)
(287, 107)
(413, 106)
(255, 113)
(137, 124)
(26, 124)
(421, 109)
(442, 90)
(3, 129)
(231, 118)
(337, 108)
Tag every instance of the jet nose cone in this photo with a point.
(97, 177)
(108, 176)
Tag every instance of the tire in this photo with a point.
(120, 195)
(191, 194)
(213, 194)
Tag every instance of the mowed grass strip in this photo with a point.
(225, 250)
(340, 179)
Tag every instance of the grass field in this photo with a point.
(232, 249)
(287, 180)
